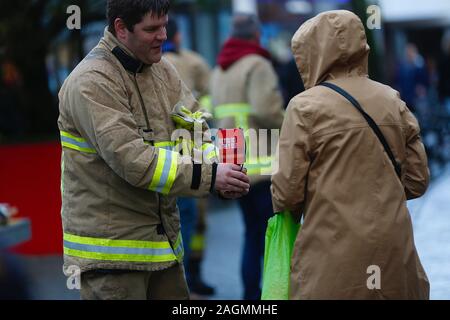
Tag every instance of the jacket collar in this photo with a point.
(128, 62)
(126, 58)
(234, 49)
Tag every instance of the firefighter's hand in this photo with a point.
(231, 183)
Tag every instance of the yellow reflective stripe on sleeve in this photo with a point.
(158, 170)
(210, 151)
(118, 250)
(178, 247)
(206, 103)
(231, 110)
(165, 171)
(172, 174)
(168, 145)
(76, 143)
(211, 155)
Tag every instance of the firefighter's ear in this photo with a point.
(121, 29)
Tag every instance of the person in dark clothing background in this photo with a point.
(444, 72)
(411, 76)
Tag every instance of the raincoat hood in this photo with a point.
(329, 46)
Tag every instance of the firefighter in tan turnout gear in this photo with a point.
(121, 171)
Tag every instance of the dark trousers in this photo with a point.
(188, 216)
(256, 210)
(167, 284)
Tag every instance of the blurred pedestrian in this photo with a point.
(412, 79)
(245, 94)
(444, 72)
(356, 241)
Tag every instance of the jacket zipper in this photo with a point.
(141, 100)
(144, 111)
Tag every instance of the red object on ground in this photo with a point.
(30, 180)
(231, 146)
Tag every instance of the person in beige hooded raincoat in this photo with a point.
(121, 168)
(357, 237)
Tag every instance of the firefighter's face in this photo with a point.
(147, 38)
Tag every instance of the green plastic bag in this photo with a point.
(280, 237)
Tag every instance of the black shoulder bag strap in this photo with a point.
(371, 122)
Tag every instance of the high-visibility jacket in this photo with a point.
(121, 171)
(247, 96)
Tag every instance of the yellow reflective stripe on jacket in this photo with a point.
(165, 172)
(206, 103)
(231, 110)
(168, 145)
(118, 250)
(255, 166)
(76, 143)
(239, 111)
(197, 242)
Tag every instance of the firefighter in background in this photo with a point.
(245, 94)
(121, 170)
(195, 73)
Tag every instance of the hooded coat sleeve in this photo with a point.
(416, 174)
(101, 113)
(293, 161)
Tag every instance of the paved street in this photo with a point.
(430, 215)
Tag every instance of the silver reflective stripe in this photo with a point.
(165, 174)
(179, 250)
(117, 250)
(80, 144)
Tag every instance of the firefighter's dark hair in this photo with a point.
(132, 11)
